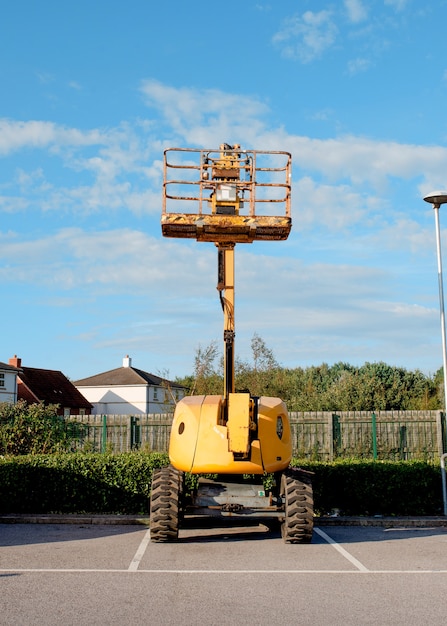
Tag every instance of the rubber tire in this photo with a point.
(298, 523)
(165, 505)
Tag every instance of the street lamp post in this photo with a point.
(436, 198)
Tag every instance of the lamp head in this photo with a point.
(436, 198)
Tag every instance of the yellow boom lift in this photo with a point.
(232, 196)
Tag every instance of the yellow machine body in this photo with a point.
(242, 436)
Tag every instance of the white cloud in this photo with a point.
(115, 169)
(116, 261)
(307, 36)
(205, 117)
(328, 312)
(15, 135)
(355, 25)
(356, 10)
(44, 77)
(399, 5)
(353, 158)
(358, 65)
(360, 159)
(110, 168)
(337, 207)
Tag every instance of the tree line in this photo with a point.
(338, 387)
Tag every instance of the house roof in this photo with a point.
(51, 387)
(123, 376)
(11, 368)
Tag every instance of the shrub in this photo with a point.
(366, 487)
(34, 429)
(77, 483)
(120, 483)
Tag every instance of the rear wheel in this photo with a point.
(165, 504)
(296, 489)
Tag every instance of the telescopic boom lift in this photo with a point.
(229, 196)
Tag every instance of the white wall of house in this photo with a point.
(129, 399)
(8, 386)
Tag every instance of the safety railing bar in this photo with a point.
(272, 169)
(179, 166)
(189, 198)
(183, 182)
(232, 151)
(211, 184)
(268, 200)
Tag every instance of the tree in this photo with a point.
(261, 377)
(34, 429)
(337, 387)
(263, 358)
(206, 378)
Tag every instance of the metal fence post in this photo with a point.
(132, 432)
(135, 438)
(403, 443)
(444, 433)
(330, 436)
(336, 435)
(374, 434)
(104, 434)
(441, 432)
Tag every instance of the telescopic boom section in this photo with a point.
(225, 286)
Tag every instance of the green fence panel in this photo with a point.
(384, 435)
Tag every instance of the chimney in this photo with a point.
(127, 361)
(15, 362)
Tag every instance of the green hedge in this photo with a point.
(77, 483)
(377, 487)
(106, 483)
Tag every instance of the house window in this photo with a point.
(2, 381)
(66, 412)
(155, 393)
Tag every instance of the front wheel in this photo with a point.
(165, 509)
(296, 490)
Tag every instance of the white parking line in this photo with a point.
(342, 551)
(319, 572)
(134, 564)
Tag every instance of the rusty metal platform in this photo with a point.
(231, 228)
(226, 195)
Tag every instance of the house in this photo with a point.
(49, 387)
(8, 383)
(127, 390)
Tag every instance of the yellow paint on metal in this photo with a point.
(276, 451)
(239, 423)
(199, 439)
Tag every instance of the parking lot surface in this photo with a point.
(98, 574)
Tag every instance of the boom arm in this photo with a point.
(232, 196)
(225, 286)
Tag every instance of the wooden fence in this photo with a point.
(324, 436)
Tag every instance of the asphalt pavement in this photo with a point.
(105, 570)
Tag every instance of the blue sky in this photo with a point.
(93, 92)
